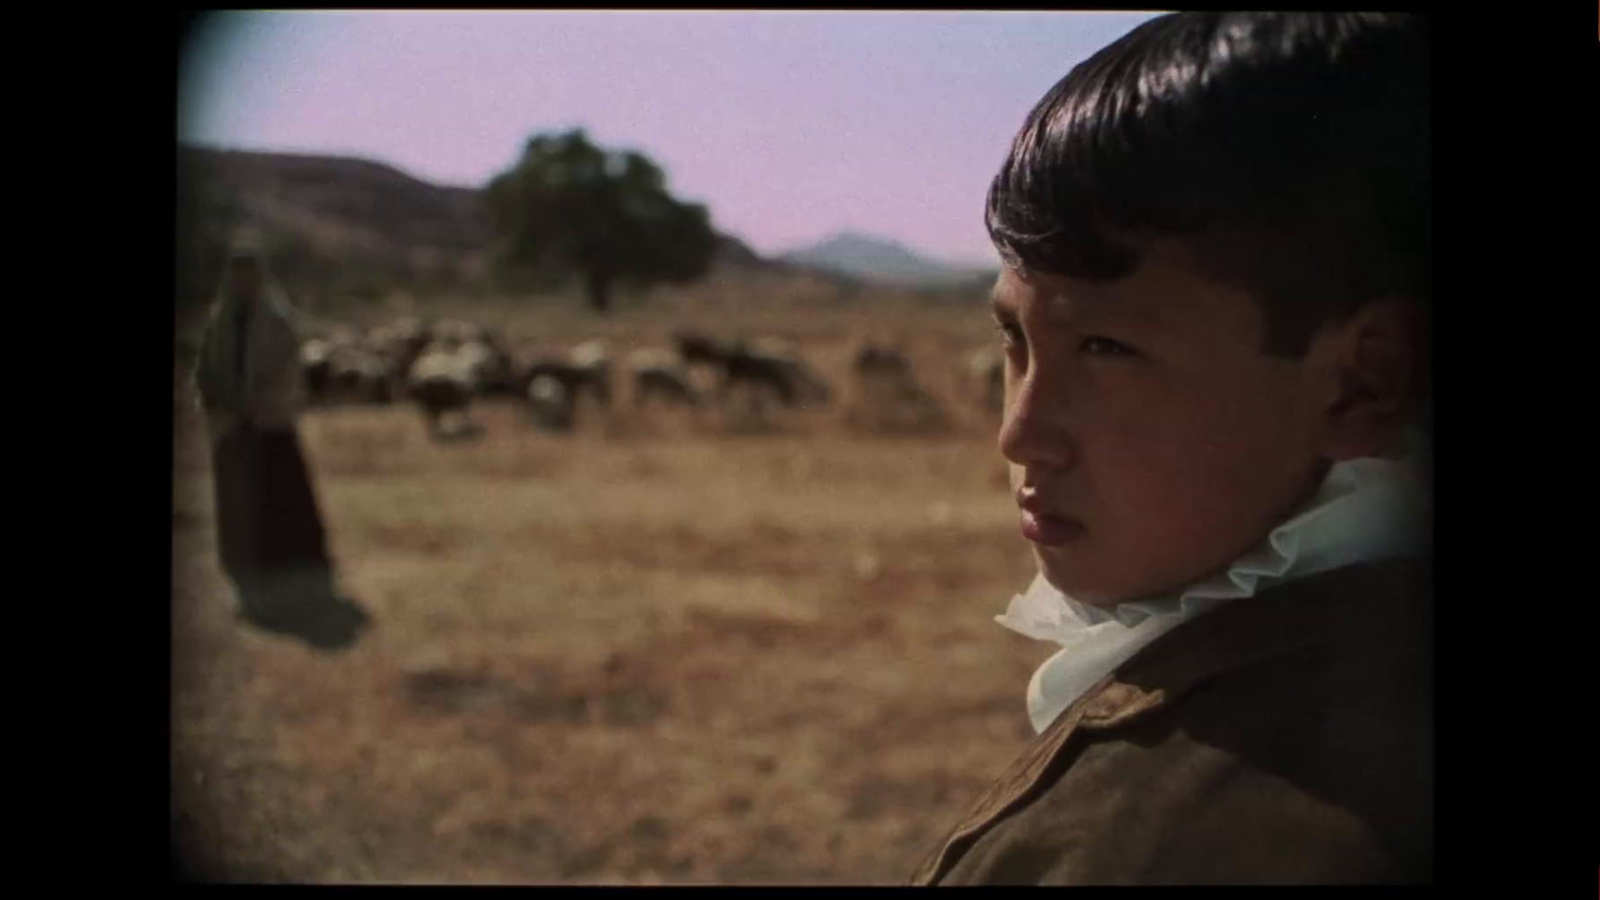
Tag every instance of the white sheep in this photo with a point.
(316, 360)
(489, 368)
(440, 383)
(587, 366)
(550, 403)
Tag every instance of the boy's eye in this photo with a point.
(1099, 346)
(1010, 334)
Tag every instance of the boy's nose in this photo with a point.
(1034, 432)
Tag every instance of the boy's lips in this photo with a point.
(1051, 531)
(1042, 525)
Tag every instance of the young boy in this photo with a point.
(1216, 236)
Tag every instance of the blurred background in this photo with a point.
(683, 551)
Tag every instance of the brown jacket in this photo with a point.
(1285, 738)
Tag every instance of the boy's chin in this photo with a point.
(1095, 589)
(1075, 583)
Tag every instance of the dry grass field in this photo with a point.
(670, 648)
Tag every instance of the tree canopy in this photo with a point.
(570, 207)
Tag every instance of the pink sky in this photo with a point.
(789, 126)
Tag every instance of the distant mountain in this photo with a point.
(876, 259)
(342, 224)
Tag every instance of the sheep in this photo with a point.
(359, 374)
(590, 354)
(890, 397)
(550, 403)
(458, 332)
(404, 332)
(658, 373)
(316, 357)
(764, 362)
(399, 344)
(883, 373)
(768, 346)
(489, 366)
(760, 364)
(874, 360)
(586, 367)
(439, 383)
(986, 377)
(485, 344)
(913, 408)
(697, 349)
(343, 336)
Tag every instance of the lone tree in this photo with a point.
(571, 207)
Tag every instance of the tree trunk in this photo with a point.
(600, 291)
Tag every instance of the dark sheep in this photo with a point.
(789, 378)
(698, 349)
(878, 361)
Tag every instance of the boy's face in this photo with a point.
(1150, 441)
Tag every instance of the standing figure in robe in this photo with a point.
(270, 534)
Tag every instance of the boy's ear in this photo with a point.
(1371, 361)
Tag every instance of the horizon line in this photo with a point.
(835, 234)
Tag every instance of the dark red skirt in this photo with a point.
(267, 516)
(271, 540)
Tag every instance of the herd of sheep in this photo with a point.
(442, 367)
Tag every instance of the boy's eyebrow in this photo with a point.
(1096, 310)
(1066, 310)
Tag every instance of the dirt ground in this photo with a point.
(667, 648)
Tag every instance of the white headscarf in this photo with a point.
(1366, 510)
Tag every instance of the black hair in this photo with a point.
(1292, 150)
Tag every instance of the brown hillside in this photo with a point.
(379, 203)
(345, 226)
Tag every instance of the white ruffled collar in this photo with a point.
(1366, 510)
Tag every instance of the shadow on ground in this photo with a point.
(315, 614)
